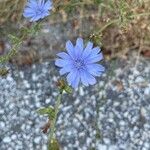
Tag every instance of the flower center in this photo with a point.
(79, 63)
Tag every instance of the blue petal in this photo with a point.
(87, 50)
(95, 69)
(41, 3)
(48, 5)
(44, 14)
(29, 10)
(95, 50)
(32, 4)
(77, 52)
(83, 78)
(88, 78)
(70, 48)
(35, 18)
(64, 55)
(80, 44)
(62, 62)
(66, 69)
(76, 81)
(27, 14)
(73, 78)
(94, 58)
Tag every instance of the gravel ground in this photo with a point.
(112, 115)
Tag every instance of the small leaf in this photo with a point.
(98, 1)
(63, 86)
(14, 39)
(4, 71)
(68, 89)
(47, 111)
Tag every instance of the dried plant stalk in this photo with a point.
(11, 11)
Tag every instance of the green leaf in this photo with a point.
(98, 1)
(14, 39)
(4, 71)
(8, 56)
(63, 86)
(68, 89)
(50, 111)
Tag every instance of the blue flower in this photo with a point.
(80, 63)
(37, 9)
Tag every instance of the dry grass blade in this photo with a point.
(11, 10)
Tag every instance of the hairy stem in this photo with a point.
(53, 123)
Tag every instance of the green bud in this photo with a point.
(63, 86)
(4, 71)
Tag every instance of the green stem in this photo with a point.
(116, 20)
(53, 123)
(108, 24)
(141, 14)
(74, 4)
(7, 57)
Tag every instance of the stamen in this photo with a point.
(79, 63)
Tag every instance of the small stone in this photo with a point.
(2, 124)
(1, 111)
(26, 84)
(21, 74)
(47, 101)
(143, 112)
(34, 77)
(122, 123)
(7, 140)
(81, 134)
(112, 147)
(81, 91)
(102, 147)
(11, 106)
(66, 109)
(88, 141)
(147, 91)
(37, 104)
(147, 145)
(77, 101)
(144, 148)
(139, 79)
(13, 137)
(37, 140)
(106, 141)
(69, 133)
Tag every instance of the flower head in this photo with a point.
(37, 9)
(80, 63)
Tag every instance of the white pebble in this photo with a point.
(7, 140)
(147, 91)
(2, 124)
(102, 147)
(37, 140)
(81, 91)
